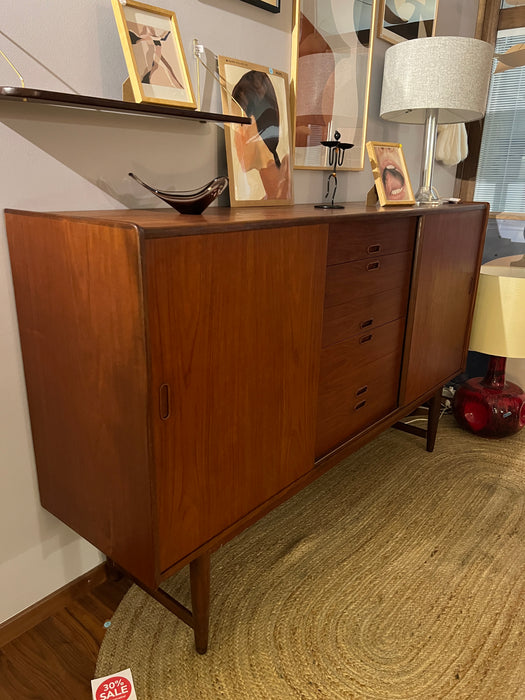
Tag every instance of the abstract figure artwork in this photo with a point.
(258, 154)
(154, 56)
(332, 61)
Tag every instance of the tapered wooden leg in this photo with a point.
(433, 419)
(200, 600)
(112, 571)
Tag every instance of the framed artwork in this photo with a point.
(155, 59)
(258, 154)
(400, 20)
(390, 173)
(331, 63)
(270, 5)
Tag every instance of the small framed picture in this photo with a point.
(410, 19)
(258, 154)
(270, 5)
(154, 56)
(390, 173)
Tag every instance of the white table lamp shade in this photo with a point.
(447, 73)
(498, 326)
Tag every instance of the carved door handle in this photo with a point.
(164, 401)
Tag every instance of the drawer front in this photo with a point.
(342, 363)
(363, 278)
(361, 239)
(356, 401)
(343, 321)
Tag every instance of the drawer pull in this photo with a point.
(164, 401)
(376, 248)
(365, 324)
(373, 265)
(362, 390)
(366, 338)
(359, 405)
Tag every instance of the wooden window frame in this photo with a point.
(490, 20)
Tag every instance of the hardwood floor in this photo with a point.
(56, 659)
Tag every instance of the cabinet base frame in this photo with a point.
(198, 617)
(434, 410)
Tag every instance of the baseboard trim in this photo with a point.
(40, 611)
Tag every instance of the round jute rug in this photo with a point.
(398, 574)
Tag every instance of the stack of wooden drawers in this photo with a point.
(365, 306)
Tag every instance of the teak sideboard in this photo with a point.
(186, 374)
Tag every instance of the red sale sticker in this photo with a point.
(118, 686)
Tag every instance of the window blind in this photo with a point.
(501, 169)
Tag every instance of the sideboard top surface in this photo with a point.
(160, 222)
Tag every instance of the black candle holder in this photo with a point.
(336, 156)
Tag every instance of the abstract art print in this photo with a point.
(331, 66)
(258, 154)
(390, 173)
(400, 20)
(154, 56)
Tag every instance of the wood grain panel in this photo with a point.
(351, 400)
(511, 18)
(165, 222)
(42, 609)
(366, 313)
(357, 239)
(440, 313)
(235, 324)
(218, 375)
(78, 296)
(346, 358)
(57, 657)
(355, 280)
(341, 363)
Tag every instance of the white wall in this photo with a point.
(53, 159)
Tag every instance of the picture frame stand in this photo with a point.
(127, 91)
(372, 198)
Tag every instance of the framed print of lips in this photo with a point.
(390, 173)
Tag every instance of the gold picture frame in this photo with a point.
(258, 155)
(400, 21)
(332, 46)
(154, 55)
(390, 173)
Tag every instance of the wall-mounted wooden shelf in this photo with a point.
(65, 99)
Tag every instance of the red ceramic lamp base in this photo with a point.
(490, 406)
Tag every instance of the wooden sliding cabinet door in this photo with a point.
(235, 333)
(448, 256)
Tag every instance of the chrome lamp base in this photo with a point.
(427, 194)
(427, 197)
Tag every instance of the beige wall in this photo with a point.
(55, 159)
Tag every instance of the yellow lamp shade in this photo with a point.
(498, 326)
